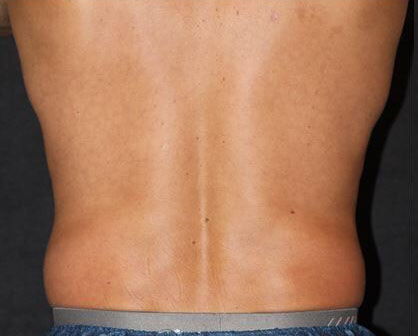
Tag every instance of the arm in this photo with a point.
(4, 19)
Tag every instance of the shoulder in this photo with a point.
(4, 19)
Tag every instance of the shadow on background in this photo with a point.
(377, 142)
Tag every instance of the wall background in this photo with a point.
(384, 213)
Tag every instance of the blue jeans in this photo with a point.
(352, 329)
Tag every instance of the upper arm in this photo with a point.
(4, 19)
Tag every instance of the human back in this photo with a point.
(205, 155)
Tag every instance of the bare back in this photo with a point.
(205, 155)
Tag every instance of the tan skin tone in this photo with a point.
(205, 155)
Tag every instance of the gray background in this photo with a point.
(384, 213)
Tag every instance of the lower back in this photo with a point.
(243, 265)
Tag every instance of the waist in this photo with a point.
(139, 266)
(198, 322)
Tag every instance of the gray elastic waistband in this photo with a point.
(159, 321)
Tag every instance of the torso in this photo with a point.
(206, 155)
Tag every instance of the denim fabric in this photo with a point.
(351, 329)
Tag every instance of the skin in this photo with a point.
(4, 19)
(205, 155)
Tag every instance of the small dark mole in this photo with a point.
(223, 141)
(197, 138)
(108, 282)
(216, 8)
(292, 211)
(206, 219)
(187, 173)
(203, 20)
(193, 242)
(223, 79)
(162, 123)
(309, 126)
(154, 105)
(237, 12)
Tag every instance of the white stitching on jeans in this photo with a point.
(329, 323)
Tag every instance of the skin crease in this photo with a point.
(205, 155)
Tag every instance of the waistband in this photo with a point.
(195, 322)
